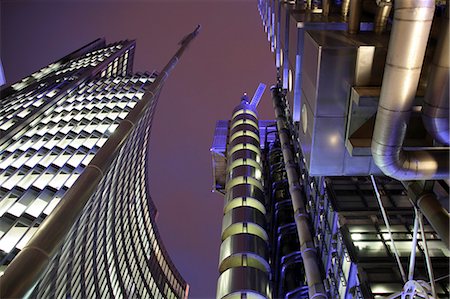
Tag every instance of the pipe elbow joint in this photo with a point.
(387, 161)
(438, 127)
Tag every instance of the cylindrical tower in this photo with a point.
(243, 262)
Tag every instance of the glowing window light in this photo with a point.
(290, 80)
(4, 206)
(244, 111)
(24, 113)
(17, 209)
(243, 162)
(245, 146)
(26, 182)
(26, 238)
(281, 57)
(243, 180)
(247, 201)
(258, 174)
(7, 125)
(112, 128)
(247, 259)
(36, 208)
(244, 133)
(10, 239)
(356, 236)
(244, 121)
(247, 228)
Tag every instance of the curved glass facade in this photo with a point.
(114, 248)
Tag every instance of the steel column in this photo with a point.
(308, 250)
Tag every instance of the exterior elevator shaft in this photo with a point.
(243, 262)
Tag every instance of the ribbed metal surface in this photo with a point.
(243, 264)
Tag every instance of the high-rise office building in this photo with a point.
(352, 198)
(73, 180)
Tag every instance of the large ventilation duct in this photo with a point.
(354, 19)
(326, 7)
(345, 7)
(408, 41)
(435, 110)
(381, 10)
(382, 15)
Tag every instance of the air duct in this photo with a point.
(325, 7)
(408, 41)
(436, 215)
(382, 15)
(345, 7)
(435, 109)
(354, 18)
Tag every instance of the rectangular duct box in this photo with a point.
(293, 25)
(329, 55)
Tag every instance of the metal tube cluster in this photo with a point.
(308, 250)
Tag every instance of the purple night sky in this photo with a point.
(230, 56)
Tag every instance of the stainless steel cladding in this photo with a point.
(435, 110)
(243, 264)
(407, 45)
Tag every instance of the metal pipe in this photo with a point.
(308, 250)
(427, 257)
(25, 270)
(382, 15)
(325, 7)
(436, 215)
(388, 226)
(435, 109)
(408, 40)
(345, 7)
(412, 258)
(354, 19)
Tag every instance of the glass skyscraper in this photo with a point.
(52, 125)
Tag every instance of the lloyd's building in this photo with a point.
(345, 194)
(76, 217)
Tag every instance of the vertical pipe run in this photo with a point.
(407, 44)
(382, 15)
(436, 215)
(345, 7)
(427, 257)
(354, 19)
(325, 7)
(412, 258)
(312, 270)
(435, 110)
